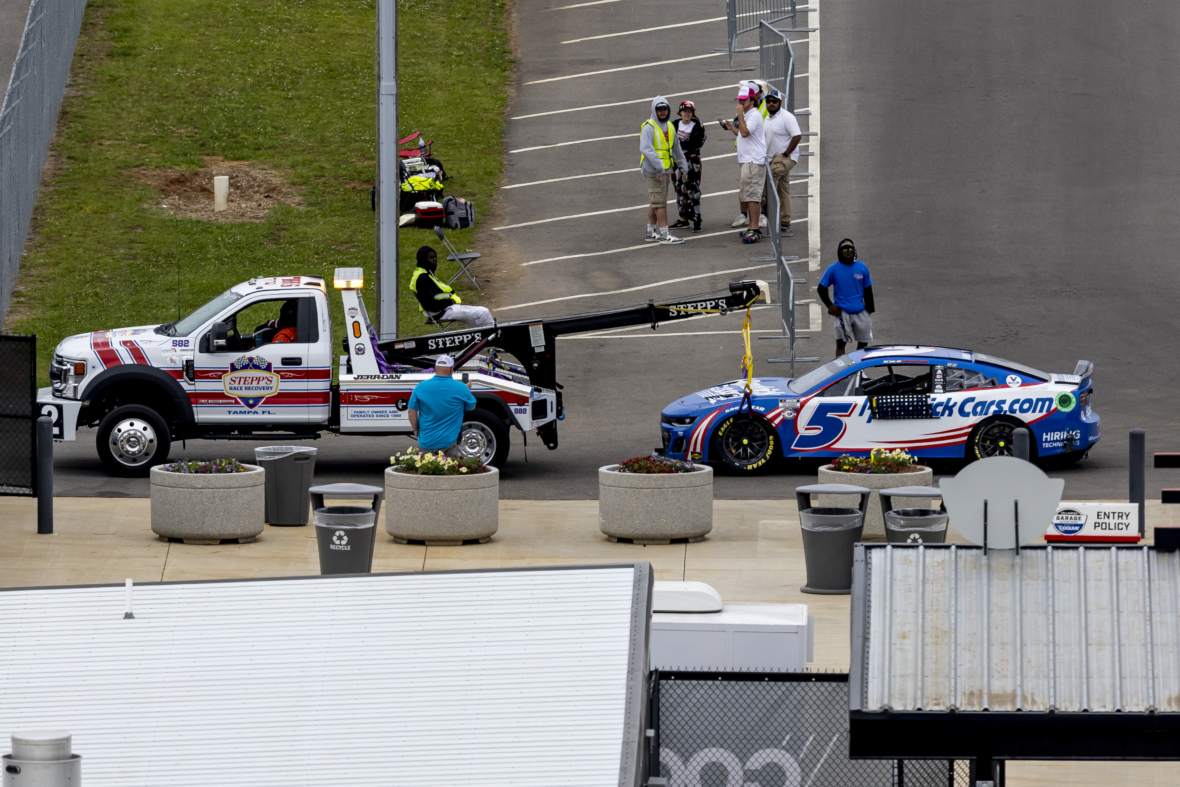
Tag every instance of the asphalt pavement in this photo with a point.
(12, 26)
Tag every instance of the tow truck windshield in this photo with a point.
(199, 317)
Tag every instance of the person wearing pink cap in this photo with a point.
(751, 150)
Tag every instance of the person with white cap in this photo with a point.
(436, 409)
(659, 156)
(751, 150)
(760, 89)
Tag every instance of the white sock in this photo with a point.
(651, 228)
(663, 232)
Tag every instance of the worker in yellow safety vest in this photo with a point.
(439, 301)
(659, 156)
(760, 87)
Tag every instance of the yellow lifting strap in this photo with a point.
(748, 358)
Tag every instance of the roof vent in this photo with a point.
(685, 597)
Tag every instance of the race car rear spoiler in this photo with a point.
(1084, 369)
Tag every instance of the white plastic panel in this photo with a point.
(1067, 629)
(489, 678)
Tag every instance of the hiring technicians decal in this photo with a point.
(251, 380)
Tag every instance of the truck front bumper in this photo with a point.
(64, 413)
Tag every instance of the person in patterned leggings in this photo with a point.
(691, 133)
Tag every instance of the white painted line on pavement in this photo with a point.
(636, 101)
(599, 174)
(645, 30)
(601, 212)
(694, 236)
(634, 289)
(815, 316)
(575, 142)
(625, 68)
(580, 5)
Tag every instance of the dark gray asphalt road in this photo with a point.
(1009, 172)
(12, 25)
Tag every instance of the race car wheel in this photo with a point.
(993, 437)
(745, 443)
(484, 437)
(131, 440)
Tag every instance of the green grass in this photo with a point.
(285, 84)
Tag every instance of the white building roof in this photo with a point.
(503, 677)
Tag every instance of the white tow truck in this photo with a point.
(218, 373)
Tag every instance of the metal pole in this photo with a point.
(1020, 443)
(45, 475)
(654, 750)
(388, 188)
(1137, 475)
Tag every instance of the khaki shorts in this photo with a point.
(753, 179)
(657, 190)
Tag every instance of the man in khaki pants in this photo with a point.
(782, 153)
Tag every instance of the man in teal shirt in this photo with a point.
(437, 407)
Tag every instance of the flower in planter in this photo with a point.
(212, 466)
(655, 464)
(418, 463)
(879, 461)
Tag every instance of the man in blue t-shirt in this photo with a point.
(854, 297)
(437, 407)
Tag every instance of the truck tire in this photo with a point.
(484, 437)
(131, 440)
(745, 444)
(993, 437)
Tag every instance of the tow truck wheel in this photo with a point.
(993, 437)
(745, 443)
(131, 439)
(484, 437)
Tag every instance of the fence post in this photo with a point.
(45, 475)
(1137, 475)
(653, 763)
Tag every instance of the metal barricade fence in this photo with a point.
(28, 118)
(776, 62)
(772, 729)
(784, 277)
(18, 415)
(744, 16)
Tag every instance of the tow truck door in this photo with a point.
(267, 384)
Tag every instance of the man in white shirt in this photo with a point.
(751, 153)
(782, 133)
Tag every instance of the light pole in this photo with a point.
(387, 168)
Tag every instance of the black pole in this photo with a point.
(654, 749)
(45, 475)
(1137, 475)
(1020, 443)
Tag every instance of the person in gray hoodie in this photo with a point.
(659, 156)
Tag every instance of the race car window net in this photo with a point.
(1016, 367)
(964, 379)
(818, 375)
(204, 314)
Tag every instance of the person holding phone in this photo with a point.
(751, 154)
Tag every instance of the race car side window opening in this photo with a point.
(966, 379)
(203, 314)
(896, 379)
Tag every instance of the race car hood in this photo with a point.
(81, 346)
(728, 393)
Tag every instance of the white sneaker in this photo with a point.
(741, 221)
(762, 223)
(651, 236)
(669, 239)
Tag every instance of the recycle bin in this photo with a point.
(345, 535)
(288, 482)
(915, 526)
(829, 535)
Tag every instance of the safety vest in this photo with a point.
(421, 183)
(763, 111)
(662, 144)
(446, 294)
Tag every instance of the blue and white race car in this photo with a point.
(930, 401)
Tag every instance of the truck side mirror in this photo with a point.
(218, 338)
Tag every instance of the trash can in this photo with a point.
(345, 535)
(829, 535)
(915, 526)
(288, 480)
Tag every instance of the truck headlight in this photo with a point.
(65, 375)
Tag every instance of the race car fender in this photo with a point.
(143, 376)
(702, 433)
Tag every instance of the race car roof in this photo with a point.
(923, 351)
(281, 283)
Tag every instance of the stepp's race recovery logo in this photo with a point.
(250, 380)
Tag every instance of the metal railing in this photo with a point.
(744, 16)
(776, 62)
(28, 118)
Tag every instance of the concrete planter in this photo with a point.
(442, 510)
(874, 522)
(654, 508)
(209, 508)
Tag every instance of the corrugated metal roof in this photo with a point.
(523, 677)
(1048, 628)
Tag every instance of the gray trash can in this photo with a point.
(288, 482)
(345, 535)
(829, 535)
(915, 526)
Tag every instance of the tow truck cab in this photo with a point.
(256, 362)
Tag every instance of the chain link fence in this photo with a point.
(28, 117)
(18, 424)
(771, 730)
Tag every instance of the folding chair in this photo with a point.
(465, 259)
(442, 325)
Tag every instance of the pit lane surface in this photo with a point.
(1005, 171)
